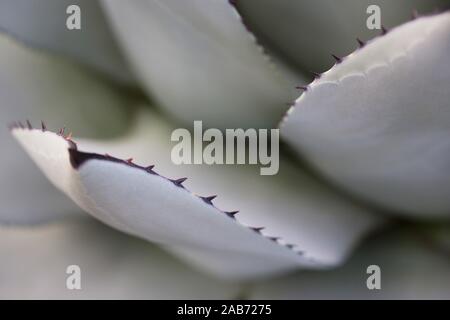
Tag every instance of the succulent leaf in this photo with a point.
(409, 269)
(377, 124)
(42, 24)
(38, 86)
(112, 265)
(200, 63)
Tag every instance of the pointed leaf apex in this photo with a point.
(316, 74)
(179, 182)
(209, 199)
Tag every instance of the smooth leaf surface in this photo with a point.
(377, 124)
(200, 63)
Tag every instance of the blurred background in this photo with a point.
(88, 80)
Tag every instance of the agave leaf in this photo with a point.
(439, 236)
(112, 265)
(311, 30)
(45, 87)
(316, 227)
(200, 63)
(43, 25)
(410, 269)
(377, 124)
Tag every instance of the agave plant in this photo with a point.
(364, 163)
